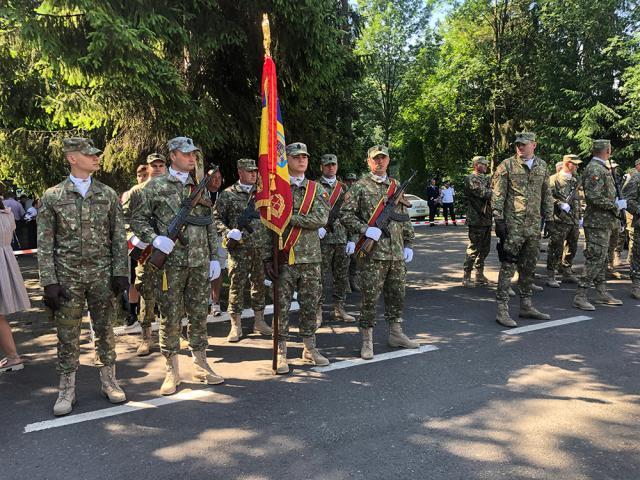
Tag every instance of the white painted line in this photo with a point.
(551, 324)
(377, 358)
(119, 410)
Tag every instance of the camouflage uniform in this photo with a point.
(631, 193)
(384, 270)
(477, 190)
(565, 226)
(81, 246)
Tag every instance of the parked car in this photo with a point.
(419, 208)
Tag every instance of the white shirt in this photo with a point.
(245, 188)
(82, 184)
(32, 212)
(567, 175)
(182, 176)
(603, 162)
(330, 181)
(297, 181)
(379, 179)
(447, 195)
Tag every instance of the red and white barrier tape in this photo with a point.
(25, 252)
(437, 222)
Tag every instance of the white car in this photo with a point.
(419, 208)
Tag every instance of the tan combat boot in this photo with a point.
(617, 260)
(340, 313)
(635, 289)
(603, 297)
(109, 385)
(259, 325)
(466, 280)
(503, 317)
(282, 366)
(527, 310)
(66, 394)
(311, 353)
(397, 338)
(480, 278)
(172, 376)
(536, 288)
(236, 328)
(511, 292)
(551, 279)
(568, 276)
(366, 351)
(580, 300)
(146, 343)
(203, 372)
(319, 317)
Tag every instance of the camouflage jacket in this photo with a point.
(359, 205)
(81, 239)
(631, 193)
(230, 205)
(161, 200)
(339, 233)
(599, 195)
(561, 187)
(477, 191)
(520, 195)
(131, 200)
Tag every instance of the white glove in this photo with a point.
(408, 254)
(322, 232)
(164, 244)
(351, 248)
(373, 233)
(581, 222)
(621, 204)
(214, 269)
(565, 207)
(235, 234)
(136, 242)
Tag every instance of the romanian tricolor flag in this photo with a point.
(273, 193)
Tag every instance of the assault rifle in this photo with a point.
(182, 218)
(334, 213)
(570, 197)
(244, 220)
(385, 217)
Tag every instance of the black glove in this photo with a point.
(501, 229)
(270, 271)
(52, 295)
(119, 284)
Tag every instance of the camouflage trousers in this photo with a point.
(526, 250)
(616, 242)
(335, 263)
(596, 256)
(245, 267)
(188, 290)
(563, 245)
(478, 248)
(386, 277)
(100, 299)
(304, 278)
(634, 255)
(148, 284)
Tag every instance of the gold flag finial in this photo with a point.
(266, 33)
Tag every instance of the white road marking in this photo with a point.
(377, 358)
(118, 410)
(551, 324)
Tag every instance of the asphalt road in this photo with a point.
(556, 403)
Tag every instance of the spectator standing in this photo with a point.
(447, 196)
(433, 199)
(18, 212)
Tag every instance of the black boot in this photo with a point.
(134, 309)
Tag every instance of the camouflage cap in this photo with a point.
(154, 157)
(184, 144)
(525, 137)
(79, 144)
(141, 168)
(377, 150)
(480, 159)
(248, 164)
(350, 176)
(328, 158)
(575, 159)
(600, 145)
(297, 148)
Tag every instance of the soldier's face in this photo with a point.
(298, 164)
(85, 164)
(248, 177)
(378, 164)
(142, 176)
(481, 168)
(329, 170)
(183, 162)
(571, 167)
(215, 182)
(157, 168)
(526, 150)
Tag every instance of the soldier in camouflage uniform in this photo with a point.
(147, 279)
(600, 218)
(631, 193)
(384, 269)
(477, 191)
(618, 238)
(300, 269)
(189, 267)
(336, 250)
(565, 228)
(520, 192)
(354, 284)
(82, 257)
(237, 204)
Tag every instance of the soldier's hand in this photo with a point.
(322, 232)
(373, 233)
(164, 244)
(214, 269)
(52, 295)
(408, 254)
(136, 242)
(270, 271)
(621, 204)
(119, 285)
(501, 229)
(235, 234)
(350, 248)
(565, 207)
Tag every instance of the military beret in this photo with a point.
(377, 150)
(248, 164)
(184, 144)
(154, 157)
(525, 137)
(480, 159)
(297, 148)
(328, 158)
(79, 144)
(141, 168)
(600, 144)
(575, 159)
(350, 176)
